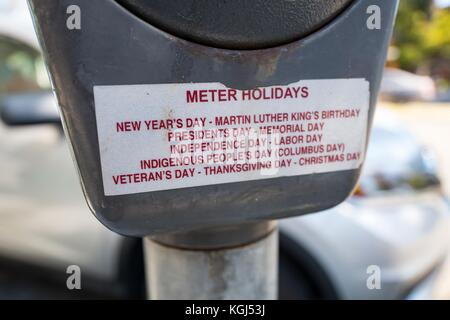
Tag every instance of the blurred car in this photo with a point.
(397, 219)
(443, 96)
(402, 86)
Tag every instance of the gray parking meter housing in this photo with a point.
(118, 45)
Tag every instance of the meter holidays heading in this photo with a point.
(226, 95)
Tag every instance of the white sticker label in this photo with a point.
(170, 136)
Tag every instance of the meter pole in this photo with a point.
(236, 262)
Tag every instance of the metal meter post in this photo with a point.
(236, 262)
(196, 123)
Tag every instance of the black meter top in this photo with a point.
(238, 24)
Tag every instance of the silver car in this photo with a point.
(397, 222)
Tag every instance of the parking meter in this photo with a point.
(190, 114)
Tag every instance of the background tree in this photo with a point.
(422, 37)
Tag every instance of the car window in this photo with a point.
(407, 169)
(22, 68)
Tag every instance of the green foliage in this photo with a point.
(422, 34)
(437, 40)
